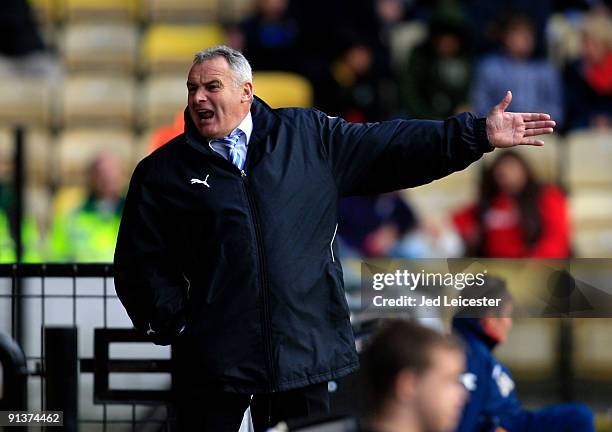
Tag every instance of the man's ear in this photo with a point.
(247, 92)
(488, 326)
(405, 385)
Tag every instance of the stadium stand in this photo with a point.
(283, 89)
(109, 47)
(38, 148)
(593, 352)
(162, 97)
(182, 11)
(90, 100)
(589, 156)
(540, 361)
(98, 10)
(26, 101)
(170, 48)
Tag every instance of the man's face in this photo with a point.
(440, 395)
(216, 104)
(498, 327)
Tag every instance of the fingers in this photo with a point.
(540, 124)
(538, 131)
(534, 116)
(532, 142)
(503, 104)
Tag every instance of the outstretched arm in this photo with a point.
(371, 158)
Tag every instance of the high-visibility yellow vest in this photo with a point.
(33, 249)
(87, 234)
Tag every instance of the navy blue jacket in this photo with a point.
(493, 401)
(248, 260)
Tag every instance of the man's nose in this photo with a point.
(201, 96)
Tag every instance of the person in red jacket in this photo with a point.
(516, 216)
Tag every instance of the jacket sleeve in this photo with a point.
(372, 158)
(148, 280)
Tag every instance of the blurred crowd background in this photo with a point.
(98, 84)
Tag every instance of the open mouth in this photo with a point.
(205, 114)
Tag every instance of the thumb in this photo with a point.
(503, 104)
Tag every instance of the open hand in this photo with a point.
(508, 129)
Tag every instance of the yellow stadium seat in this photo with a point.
(37, 153)
(590, 158)
(593, 242)
(182, 10)
(283, 89)
(95, 47)
(170, 48)
(592, 207)
(163, 96)
(99, 10)
(77, 148)
(593, 348)
(25, 101)
(98, 100)
(530, 351)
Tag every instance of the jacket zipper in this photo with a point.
(264, 283)
(267, 328)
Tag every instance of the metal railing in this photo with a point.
(69, 323)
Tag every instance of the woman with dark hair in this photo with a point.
(515, 216)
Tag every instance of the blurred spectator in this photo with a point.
(354, 88)
(493, 404)
(390, 12)
(536, 84)
(485, 19)
(412, 379)
(270, 37)
(588, 81)
(22, 50)
(345, 53)
(32, 241)
(435, 80)
(373, 225)
(516, 216)
(89, 232)
(386, 226)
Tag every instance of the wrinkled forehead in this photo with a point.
(216, 68)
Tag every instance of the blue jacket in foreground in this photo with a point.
(493, 402)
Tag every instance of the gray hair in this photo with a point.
(238, 63)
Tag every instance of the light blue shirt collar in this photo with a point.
(246, 126)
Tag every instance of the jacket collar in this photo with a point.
(265, 121)
(471, 328)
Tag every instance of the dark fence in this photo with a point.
(72, 349)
